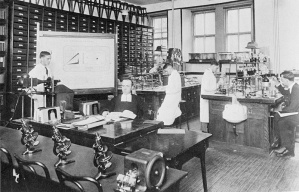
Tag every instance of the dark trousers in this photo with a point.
(284, 130)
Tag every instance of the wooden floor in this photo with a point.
(231, 168)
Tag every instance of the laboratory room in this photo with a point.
(149, 95)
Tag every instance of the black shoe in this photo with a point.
(280, 150)
(285, 154)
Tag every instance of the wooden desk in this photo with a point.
(253, 132)
(10, 139)
(177, 148)
(112, 135)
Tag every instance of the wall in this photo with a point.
(276, 28)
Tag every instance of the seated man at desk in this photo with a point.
(284, 126)
(126, 101)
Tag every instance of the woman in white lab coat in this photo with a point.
(208, 86)
(169, 109)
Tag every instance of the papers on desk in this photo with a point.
(119, 116)
(171, 131)
(90, 122)
(286, 114)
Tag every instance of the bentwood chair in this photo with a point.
(64, 177)
(7, 179)
(30, 178)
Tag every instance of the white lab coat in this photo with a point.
(208, 86)
(169, 109)
(39, 72)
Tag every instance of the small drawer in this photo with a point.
(138, 33)
(32, 39)
(102, 31)
(73, 28)
(32, 58)
(138, 28)
(32, 46)
(20, 26)
(132, 27)
(20, 51)
(21, 7)
(126, 27)
(19, 64)
(20, 45)
(102, 28)
(61, 15)
(93, 26)
(34, 22)
(83, 19)
(125, 43)
(49, 25)
(132, 55)
(73, 17)
(20, 38)
(32, 51)
(71, 22)
(20, 14)
(34, 27)
(20, 32)
(36, 17)
(35, 10)
(61, 27)
(132, 47)
(49, 19)
(31, 63)
(93, 21)
(102, 22)
(110, 24)
(144, 29)
(16, 76)
(32, 34)
(20, 20)
(49, 29)
(19, 69)
(93, 30)
(61, 21)
(83, 29)
(19, 57)
(49, 13)
(83, 24)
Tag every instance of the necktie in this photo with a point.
(46, 71)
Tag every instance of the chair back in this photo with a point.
(30, 178)
(7, 177)
(9, 159)
(65, 177)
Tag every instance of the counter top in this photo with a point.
(262, 100)
(161, 89)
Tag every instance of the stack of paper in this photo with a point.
(171, 131)
(90, 122)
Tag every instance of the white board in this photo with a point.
(80, 60)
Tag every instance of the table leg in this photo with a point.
(202, 155)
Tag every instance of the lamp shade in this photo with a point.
(252, 45)
(125, 12)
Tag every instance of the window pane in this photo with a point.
(157, 43)
(157, 35)
(245, 20)
(199, 45)
(164, 35)
(210, 45)
(164, 44)
(157, 23)
(232, 21)
(243, 40)
(210, 23)
(232, 43)
(164, 23)
(199, 24)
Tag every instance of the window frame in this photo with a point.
(226, 34)
(205, 35)
(160, 38)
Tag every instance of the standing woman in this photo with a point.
(208, 86)
(169, 109)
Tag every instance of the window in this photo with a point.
(238, 29)
(204, 32)
(160, 31)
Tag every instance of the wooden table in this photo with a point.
(112, 134)
(255, 131)
(83, 156)
(177, 148)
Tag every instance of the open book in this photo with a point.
(286, 114)
(118, 116)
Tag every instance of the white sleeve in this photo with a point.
(208, 82)
(174, 84)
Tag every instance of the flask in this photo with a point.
(265, 86)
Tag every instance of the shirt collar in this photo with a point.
(126, 98)
(291, 87)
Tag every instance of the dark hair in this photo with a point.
(43, 54)
(127, 79)
(166, 65)
(214, 63)
(288, 75)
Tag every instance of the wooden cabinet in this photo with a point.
(152, 101)
(253, 132)
(4, 8)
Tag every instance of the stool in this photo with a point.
(183, 107)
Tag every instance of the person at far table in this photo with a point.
(284, 126)
(170, 109)
(208, 86)
(126, 101)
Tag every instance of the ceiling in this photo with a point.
(145, 2)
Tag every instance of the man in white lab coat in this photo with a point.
(41, 72)
(208, 86)
(169, 109)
